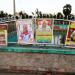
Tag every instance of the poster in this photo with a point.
(25, 31)
(44, 31)
(60, 31)
(70, 39)
(3, 34)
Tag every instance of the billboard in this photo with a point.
(70, 38)
(25, 31)
(3, 34)
(44, 31)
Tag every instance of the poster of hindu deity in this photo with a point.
(70, 39)
(3, 34)
(44, 31)
(25, 31)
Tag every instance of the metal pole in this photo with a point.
(14, 8)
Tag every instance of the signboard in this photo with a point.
(3, 34)
(44, 31)
(60, 31)
(70, 39)
(25, 31)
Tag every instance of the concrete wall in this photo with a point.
(37, 62)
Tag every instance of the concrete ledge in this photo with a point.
(51, 50)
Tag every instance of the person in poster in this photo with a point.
(25, 32)
(44, 25)
(44, 31)
(60, 31)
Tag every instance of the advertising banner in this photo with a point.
(44, 31)
(3, 34)
(60, 31)
(70, 39)
(25, 31)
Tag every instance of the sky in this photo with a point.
(46, 6)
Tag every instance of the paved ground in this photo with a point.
(20, 73)
(35, 74)
(12, 74)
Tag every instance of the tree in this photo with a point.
(5, 14)
(44, 15)
(50, 16)
(67, 10)
(17, 17)
(70, 17)
(20, 14)
(59, 15)
(23, 15)
(30, 16)
(54, 16)
(47, 15)
(1, 14)
(9, 15)
(40, 13)
(37, 12)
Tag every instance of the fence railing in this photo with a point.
(45, 32)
